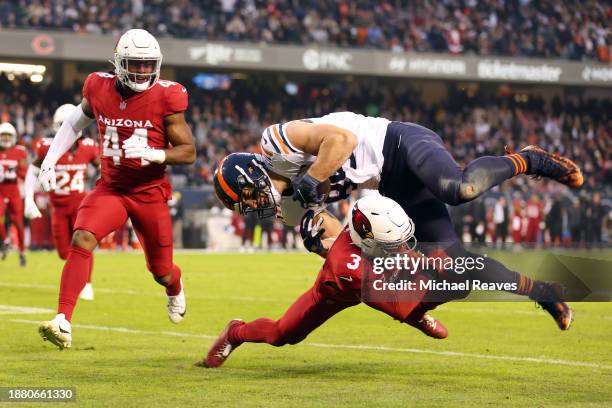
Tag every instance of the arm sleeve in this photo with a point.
(30, 182)
(67, 135)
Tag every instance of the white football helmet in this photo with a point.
(379, 226)
(137, 45)
(8, 135)
(61, 114)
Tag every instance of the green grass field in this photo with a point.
(126, 352)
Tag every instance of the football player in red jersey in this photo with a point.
(71, 173)
(142, 127)
(13, 166)
(339, 284)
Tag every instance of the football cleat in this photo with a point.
(553, 166)
(549, 297)
(87, 293)
(58, 331)
(177, 306)
(429, 326)
(221, 348)
(22, 260)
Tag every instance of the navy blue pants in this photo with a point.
(422, 176)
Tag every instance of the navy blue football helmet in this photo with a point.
(241, 177)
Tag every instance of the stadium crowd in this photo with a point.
(471, 123)
(576, 30)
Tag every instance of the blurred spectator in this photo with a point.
(575, 221)
(472, 124)
(568, 29)
(501, 221)
(595, 216)
(554, 220)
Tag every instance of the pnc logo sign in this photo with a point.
(314, 60)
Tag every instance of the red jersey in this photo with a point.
(141, 116)
(348, 276)
(10, 168)
(70, 169)
(343, 268)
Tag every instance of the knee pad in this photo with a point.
(82, 238)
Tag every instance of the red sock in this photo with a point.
(74, 276)
(174, 287)
(2, 231)
(90, 270)
(262, 330)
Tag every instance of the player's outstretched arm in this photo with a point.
(179, 135)
(67, 134)
(30, 209)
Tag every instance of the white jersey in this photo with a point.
(361, 170)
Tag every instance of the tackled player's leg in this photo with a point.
(415, 152)
(433, 225)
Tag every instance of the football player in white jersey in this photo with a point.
(403, 161)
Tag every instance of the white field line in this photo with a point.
(537, 360)
(133, 292)
(532, 312)
(13, 310)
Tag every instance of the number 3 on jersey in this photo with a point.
(111, 147)
(354, 264)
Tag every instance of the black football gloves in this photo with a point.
(311, 234)
(305, 190)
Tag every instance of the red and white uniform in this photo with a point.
(338, 286)
(141, 115)
(12, 169)
(71, 173)
(132, 188)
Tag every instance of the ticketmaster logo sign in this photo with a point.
(496, 69)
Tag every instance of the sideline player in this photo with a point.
(142, 125)
(71, 173)
(13, 166)
(403, 161)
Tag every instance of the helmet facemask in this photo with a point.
(259, 189)
(131, 77)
